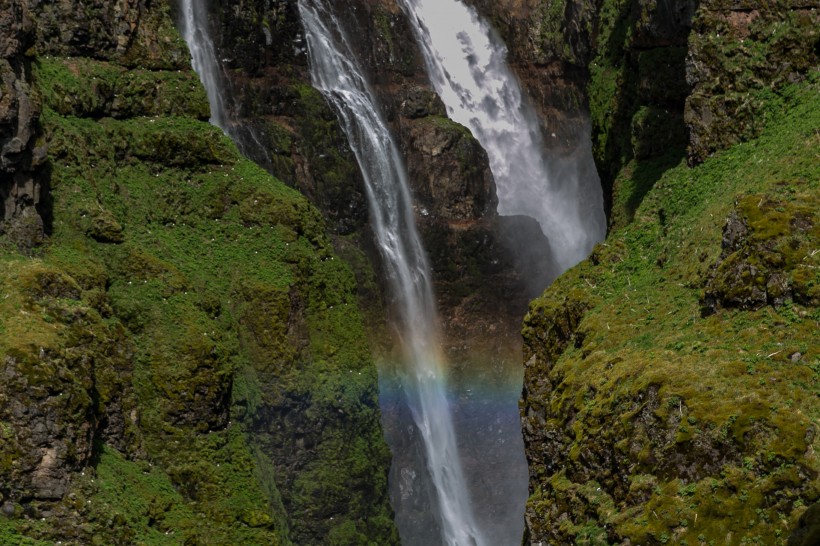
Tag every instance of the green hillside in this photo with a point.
(672, 381)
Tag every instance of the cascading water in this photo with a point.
(429, 489)
(194, 29)
(337, 75)
(467, 67)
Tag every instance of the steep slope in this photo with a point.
(286, 120)
(183, 298)
(671, 380)
(671, 389)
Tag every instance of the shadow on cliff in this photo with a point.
(644, 59)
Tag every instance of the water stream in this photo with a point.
(194, 29)
(466, 64)
(434, 427)
(336, 73)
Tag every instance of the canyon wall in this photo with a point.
(671, 380)
(183, 357)
(186, 342)
(469, 245)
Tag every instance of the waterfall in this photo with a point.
(194, 29)
(335, 72)
(466, 64)
(193, 25)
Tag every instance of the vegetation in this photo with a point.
(190, 310)
(667, 402)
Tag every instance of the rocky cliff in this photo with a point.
(282, 117)
(22, 154)
(184, 347)
(183, 358)
(671, 381)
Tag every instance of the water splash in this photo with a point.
(335, 72)
(466, 64)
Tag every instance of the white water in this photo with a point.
(335, 72)
(466, 64)
(194, 29)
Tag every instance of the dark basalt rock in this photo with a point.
(21, 155)
(420, 102)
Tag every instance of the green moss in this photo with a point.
(336, 188)
(188, 298)
(735, 63)
(550, 30)
(692, 425)
(88, 88)
(10, 535)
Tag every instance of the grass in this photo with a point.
(717, 406)
(201, 301)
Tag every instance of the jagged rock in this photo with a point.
(57, 396)
(448, 169)
(420, 102)
(767, 245)
(20, 155)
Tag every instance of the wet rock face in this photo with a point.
(454, 194)
(279, 120)
(21, 157)
(661, 80)
(549, 47)
(448, 170)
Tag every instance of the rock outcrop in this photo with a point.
(183, 300)
(645, 429)
(22, 152)
(669, 380)
(284, 119)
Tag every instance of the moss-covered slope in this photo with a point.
(671, 387)
(683, 79)
(184, 360)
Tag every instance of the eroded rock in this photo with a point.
(767, 257)
(21, 156)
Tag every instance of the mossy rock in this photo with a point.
(768, 244)
(164, 336)
(88, 88)
(145, 321)
(648, 421)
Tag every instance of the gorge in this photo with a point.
(189, 340)
(420, 379)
